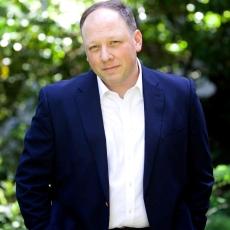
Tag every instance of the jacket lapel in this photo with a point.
(88, 100)
(153, 106)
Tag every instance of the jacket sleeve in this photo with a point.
(34, 173)
(200, 167)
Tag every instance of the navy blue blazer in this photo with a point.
(62, 177)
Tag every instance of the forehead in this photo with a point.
(103, 21)
(102, 15)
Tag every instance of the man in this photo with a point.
(121, 146)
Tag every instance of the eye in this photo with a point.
(114, 43)
(94, 48)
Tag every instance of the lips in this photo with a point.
(110, 68)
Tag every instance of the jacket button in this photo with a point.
(107, 204)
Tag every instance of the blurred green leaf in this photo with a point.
(40, 43)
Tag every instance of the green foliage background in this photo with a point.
(40, 43)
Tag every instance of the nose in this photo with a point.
(105, 55)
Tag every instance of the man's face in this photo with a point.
(111, 48)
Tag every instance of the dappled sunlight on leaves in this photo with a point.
(40, 43)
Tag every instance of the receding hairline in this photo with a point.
(99, 9)
(117, 6)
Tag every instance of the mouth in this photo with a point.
(110, 68)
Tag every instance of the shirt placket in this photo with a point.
(129, 180)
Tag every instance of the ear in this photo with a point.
(138, 40)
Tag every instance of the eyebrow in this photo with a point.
(118, 37)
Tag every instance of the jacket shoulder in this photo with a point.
(170, 83)
(68, 87)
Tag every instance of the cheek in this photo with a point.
(129, 50)
(92, 60)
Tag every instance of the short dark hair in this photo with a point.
(116, 5)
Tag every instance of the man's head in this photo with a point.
(111, 42)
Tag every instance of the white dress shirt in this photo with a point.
(124, 130)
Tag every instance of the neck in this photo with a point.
(121, 88)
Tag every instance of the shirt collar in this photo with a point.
(103, 89)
